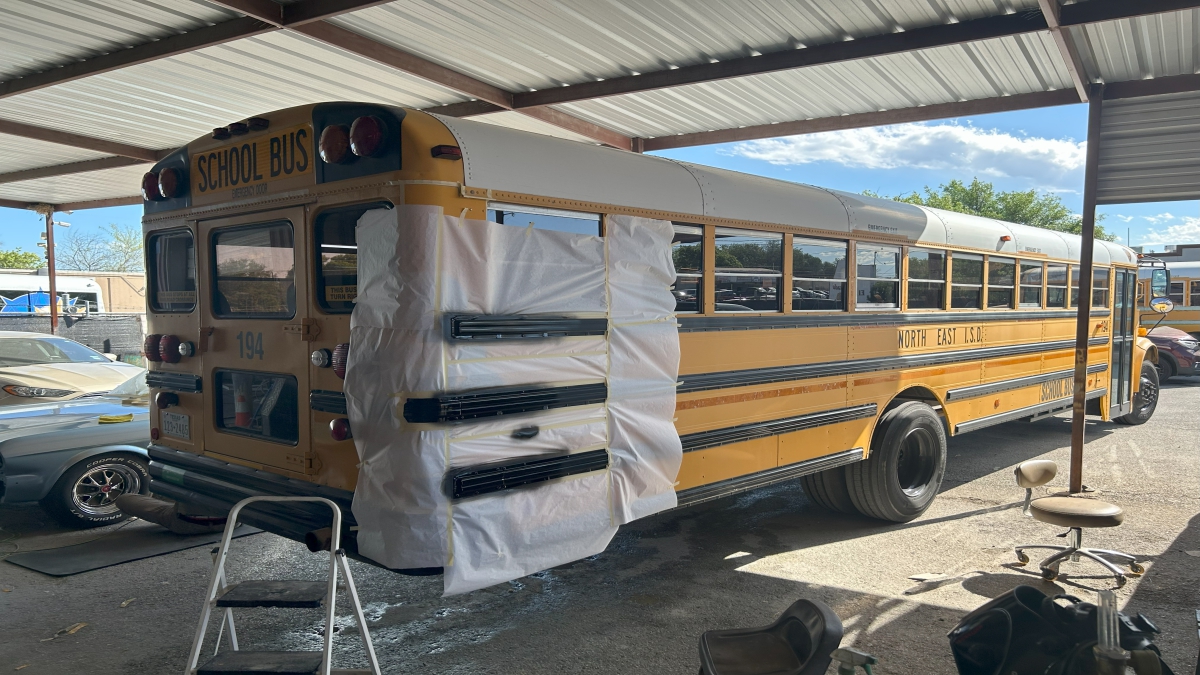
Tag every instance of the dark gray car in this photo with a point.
(75, 457)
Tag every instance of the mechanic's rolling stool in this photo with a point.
(800, 642)
(1074, 513)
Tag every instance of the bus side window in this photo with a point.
(687, 252)
(337, 255)
(878, 276)
(749, 270)
(171, 271)
(557, 220)
(1056, 286)
(1031, 284)
(818, 275)
(926, 279)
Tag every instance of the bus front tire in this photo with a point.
(828, 489)
(1146, 399)
(903, 473)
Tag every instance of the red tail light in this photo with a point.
(340, 354)
(154, 434)
(168, 348)
(340, 429)
(150, 191)
(239, 128)
(150, 347)
(335, 144)
(258, 123)
(221, 133)
(170, 183)
(367, 135)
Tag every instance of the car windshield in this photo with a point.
(32, 351)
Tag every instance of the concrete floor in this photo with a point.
(640, 606)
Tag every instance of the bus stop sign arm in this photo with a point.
(1084, 305)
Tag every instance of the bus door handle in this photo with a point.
(305, 329)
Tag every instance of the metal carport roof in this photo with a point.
(92, 90)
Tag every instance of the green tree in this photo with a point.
(1045, 210)
(16, 259)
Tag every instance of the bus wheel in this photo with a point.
(1146, 400)
(900, 478)
(828, 489)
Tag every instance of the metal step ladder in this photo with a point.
(273, 593)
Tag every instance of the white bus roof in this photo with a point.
(498, 158)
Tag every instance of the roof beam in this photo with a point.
(297, 13)
(1175, 84)
(13, 204)
(1066, 47)
(80, 141)
(1096, 11)
(1037, 99)
(68, 169)
(131, 200)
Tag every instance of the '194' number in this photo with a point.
(250, 345)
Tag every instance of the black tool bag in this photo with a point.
(1026, 632)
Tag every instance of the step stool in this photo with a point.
(277, 593)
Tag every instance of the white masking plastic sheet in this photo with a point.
(416, 268)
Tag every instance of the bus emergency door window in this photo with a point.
(687, 252)
(818, 275)
(1031, 284)
(262, 405)
(1002, 279)
(966, 281)
(545, 219)
(878, 270)
(749, 270)
(926, 279)
(1056, 286)
(172, 271)
(255, 272)
(337, 255)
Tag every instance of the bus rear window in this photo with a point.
(258, 404)
(337, 255)
(255, 272)
(171, 258)
(538, 218)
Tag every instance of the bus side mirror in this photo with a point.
(1160, 280)
(1162, 305)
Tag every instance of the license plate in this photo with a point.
(177, 425)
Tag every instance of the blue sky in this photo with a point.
(1040, 149)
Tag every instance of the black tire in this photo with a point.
(828, 489)
(85, 495)
(904, 471)
(1166, 368)
(1146, 399)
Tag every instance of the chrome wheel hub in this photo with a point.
(96, 491)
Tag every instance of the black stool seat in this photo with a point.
(800, 642)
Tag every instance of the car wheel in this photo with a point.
(900, 478)
(86, 494)
(1166, 368)
(828, 489)
(1146, 399)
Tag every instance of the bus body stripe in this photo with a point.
(1007, 385)
(752, 481)
(745, 432)
(1021, 413)
(718, 323)
(741, 378)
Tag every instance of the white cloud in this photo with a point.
(1123, 219)
(1185, 232)
(1046, 163)
(1160, 218)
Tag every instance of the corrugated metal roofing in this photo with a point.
(1150, 149)
(523, 45)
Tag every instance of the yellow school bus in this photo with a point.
(1184, 292)
(824, 336)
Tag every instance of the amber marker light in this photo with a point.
(150, 191)
(334, 144)
(450, 152)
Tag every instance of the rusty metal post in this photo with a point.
(50, 271)
(1083, 313)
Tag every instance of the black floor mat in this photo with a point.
(113, 549)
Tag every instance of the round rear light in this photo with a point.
(168, 348)
(340, 429)
(170, 183)
(150, 347)
(166, 399)
(367, 135)
(335, 144)
(150, 191)
(154, 434)
(340, 354)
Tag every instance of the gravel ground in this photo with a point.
(641, 605)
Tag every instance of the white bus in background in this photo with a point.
(29, 294)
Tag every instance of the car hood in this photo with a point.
(84, 377)
(71, 419)
(1167, 333)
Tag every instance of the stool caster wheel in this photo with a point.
(1136, 569)
(1022, 559)
(1049, 574)
(1121, 581)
